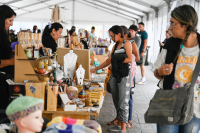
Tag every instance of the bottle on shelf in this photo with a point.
(33, 55)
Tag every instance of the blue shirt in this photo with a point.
(144, 36)
(92, 36)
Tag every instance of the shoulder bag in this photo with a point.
(173, 107)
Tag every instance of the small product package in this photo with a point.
(67, 105)
(15, 91)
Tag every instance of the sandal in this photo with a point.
(113, 122)
(131, 125)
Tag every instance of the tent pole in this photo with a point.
(73, 13)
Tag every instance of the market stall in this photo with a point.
(62, 81)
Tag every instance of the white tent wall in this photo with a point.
(150, 30)
(39, 18)
(85, 16)
(156, 27)
(88, 16)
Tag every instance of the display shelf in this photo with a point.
(36, 58)
(40, 74)
(83, 58)
(24, 67)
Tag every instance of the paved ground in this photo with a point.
(141, 98)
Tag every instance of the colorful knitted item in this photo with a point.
(82, 94)
(23, 106)
(87, 123)
(71, 121)
(70, 129)
(91, 124)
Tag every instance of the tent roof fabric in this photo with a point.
(133, 9)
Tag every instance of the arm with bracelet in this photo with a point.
(104, 64)
(162, 69)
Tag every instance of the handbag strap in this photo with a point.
(195, 75)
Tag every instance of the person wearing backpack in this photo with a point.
(175, 65)
(120, 78)
(135, 57)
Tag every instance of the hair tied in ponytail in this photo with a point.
(49, 24)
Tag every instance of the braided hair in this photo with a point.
(186, 15)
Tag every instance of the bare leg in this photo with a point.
(123, 126)
(142, 71)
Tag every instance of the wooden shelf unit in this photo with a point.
(24, 66)
(43, 57)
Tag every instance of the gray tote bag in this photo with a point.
(173, 107)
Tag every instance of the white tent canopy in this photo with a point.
(102, 14)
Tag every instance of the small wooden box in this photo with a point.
(39, 93)
(51, 100)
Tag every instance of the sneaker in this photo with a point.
(141, 82)
(115, 128)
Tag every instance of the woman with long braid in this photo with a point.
(176, 62)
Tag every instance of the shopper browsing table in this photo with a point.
(7, 61)
(51, 34)
(92, 34)
(120, 57)
(135, 57)
(132, 32)
(176, 62)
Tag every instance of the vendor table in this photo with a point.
(70, 114)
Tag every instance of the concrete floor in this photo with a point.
(141, 98)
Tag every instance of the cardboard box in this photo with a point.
(66, 103)
(39, 93)
(15, 91)
(51, 100)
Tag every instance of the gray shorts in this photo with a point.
(144, 58)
